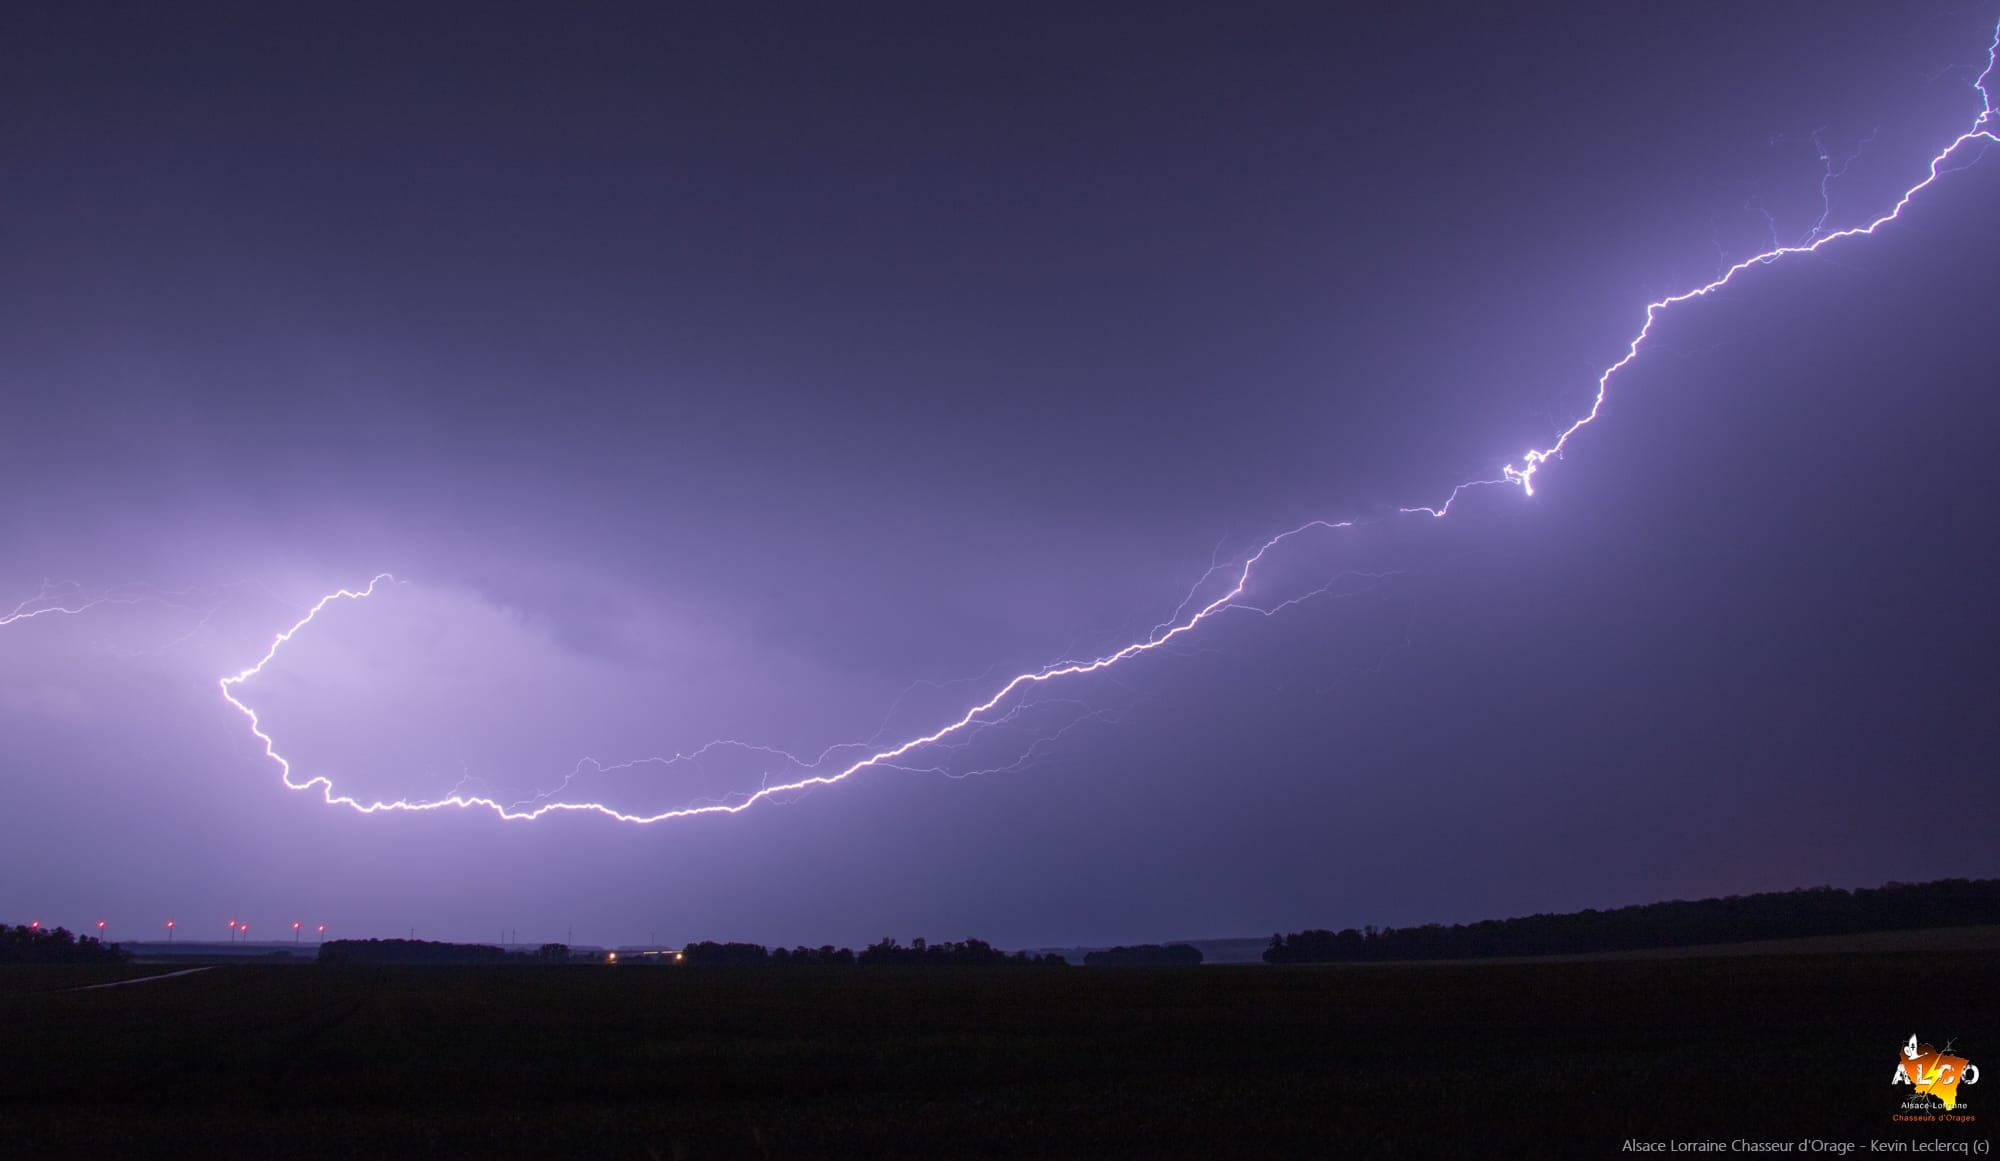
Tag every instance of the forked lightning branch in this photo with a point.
(238, 689)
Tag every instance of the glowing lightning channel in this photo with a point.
(983, 714)
(69, 599)
(1982, 130)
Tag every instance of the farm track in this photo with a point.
(139, 980)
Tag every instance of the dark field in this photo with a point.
(1476, 1060)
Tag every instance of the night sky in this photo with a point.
(798, 374)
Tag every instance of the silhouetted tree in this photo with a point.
(709, 953)
(825, 956)
(1151, 954)
(1807, 911)
(966, 953)
(418, 952)
(24, 944)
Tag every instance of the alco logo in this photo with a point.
(1934, 1072)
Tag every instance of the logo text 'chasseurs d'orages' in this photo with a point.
(1934, 1072)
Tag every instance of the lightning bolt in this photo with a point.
(70, 599)
(1981, 131)
(1187, 618)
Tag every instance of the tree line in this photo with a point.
(1145, 955)
(1807, 911)
(32, 944)
(429, 952)
(919, 953)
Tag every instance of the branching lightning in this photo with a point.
(1004, 706)
(69, 599)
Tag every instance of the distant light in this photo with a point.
(677, 957)
(611, 957)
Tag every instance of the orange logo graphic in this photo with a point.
(1934, 1071)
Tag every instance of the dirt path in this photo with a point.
(140, 980)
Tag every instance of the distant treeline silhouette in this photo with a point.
(1679, 923)
(708, 952)
(971, 952)
(1145, 954)
(22, 944)
(812, 956)
(423, 951)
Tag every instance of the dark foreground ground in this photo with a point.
(1475, 1060)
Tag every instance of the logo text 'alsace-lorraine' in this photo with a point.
(1932, 1072)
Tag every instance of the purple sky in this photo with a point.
(797, 377)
